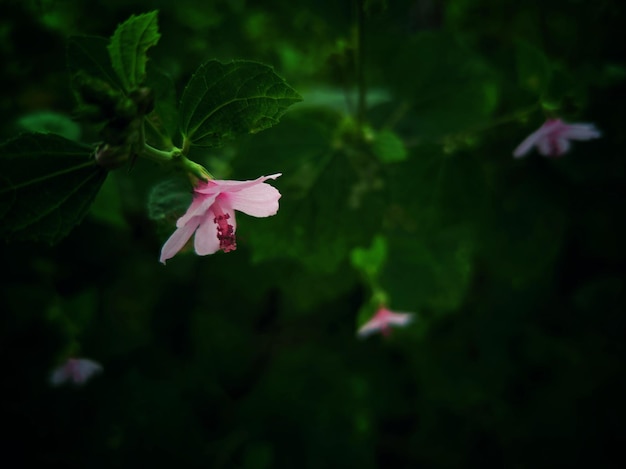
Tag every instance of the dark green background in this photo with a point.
(515, 268)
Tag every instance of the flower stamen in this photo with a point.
(225, 233)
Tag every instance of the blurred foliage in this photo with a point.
(515, 268)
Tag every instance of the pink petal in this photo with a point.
(536, 137)
(370, 327)
(257, 201)
(199, 206)
(399, 319)
(215, 185)
(526, 145)
(530, 141)
(58, 376)
(562, 146)
(382, 320)
(179, 238)
(553, 137)
(78, 370)
(84, 369)
(545, 146)
(206, 241)
(581, 132)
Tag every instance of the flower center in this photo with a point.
(553, 140)
(225, 231)
(554, 145)
(73, 369)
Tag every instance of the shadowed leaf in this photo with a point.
(89, 54)
(224, 100)
(48, 184)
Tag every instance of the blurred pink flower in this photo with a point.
(211, 215)
(382, 321)
(76, 370)
(553, 138)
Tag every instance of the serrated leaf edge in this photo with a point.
(119, 31)
(189, 133)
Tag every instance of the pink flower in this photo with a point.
(211, 215)
(553, 138)
(382, 321)
(76, 370)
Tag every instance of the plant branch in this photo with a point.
(176, 158)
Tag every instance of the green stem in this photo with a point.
(161, 156)
(195, 169)
(176, 158)
(379, 296)
(186, 145)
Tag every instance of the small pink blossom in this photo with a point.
(553, 138)
(76, 370)
(382, 321)
(211, 215)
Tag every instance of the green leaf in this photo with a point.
(46, 187)
(327, 206)
(50, 122)
(440, 204)
(446, 87)
(341, 99)
(129, 45)
(167, 202)
(429, 269)
(169, 199)
(388, 147)
(371, 260)
(89, 54)
(224, 100)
